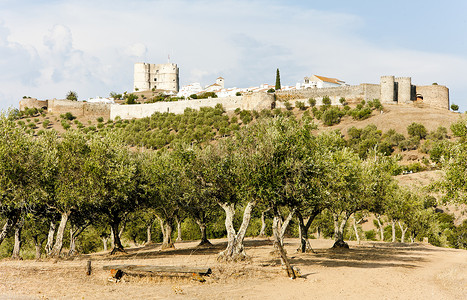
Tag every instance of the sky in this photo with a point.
(50, 47)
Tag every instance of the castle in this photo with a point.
(149, 77)
(390, 90)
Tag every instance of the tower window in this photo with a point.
(155, 79)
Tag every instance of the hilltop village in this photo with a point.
(163, 79)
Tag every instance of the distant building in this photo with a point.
(158, 77)
(316, 81)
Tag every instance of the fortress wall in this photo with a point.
(434, 95)
(387, 89)
(350, 93)
(78, 108)
(257, 101)
(32, 103)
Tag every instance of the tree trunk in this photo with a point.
(278, 244)
(354, 225)
(37, 246)
(303, 232)
(57, 248)
(73, 236)
(204, 239)
(235, 250)
(393, 224)
(339, 228)
(112, 240)
(50, 238)
(148, 234)
(9, 224)
(403, 231)
(380, 226)
(166, 227)
(262, 232)
(104, 242)
(17, 245)
(117, 247)
(179, 230)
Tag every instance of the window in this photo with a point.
(155, 79)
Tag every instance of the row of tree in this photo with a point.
(276, 164)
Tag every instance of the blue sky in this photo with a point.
(50, 47)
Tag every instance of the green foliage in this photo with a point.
(238, 94)
(278, 80)
(68, 116)
(288, 105)
(454, 107)
(312, 102)
(326, 100)
(71, 95)
(131, 99)
(65, 125)
(300, 105)
(271, 90)
(332, 116)
(417, 130)
(100, 119)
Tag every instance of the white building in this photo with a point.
(316, 81)
(158, 77)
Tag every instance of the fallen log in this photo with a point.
(160, 269)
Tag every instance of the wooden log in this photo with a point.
(160, 269)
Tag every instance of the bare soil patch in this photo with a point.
(371, 270)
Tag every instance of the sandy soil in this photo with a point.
(371, 270)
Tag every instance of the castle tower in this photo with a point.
(404, 89)
(160, 77)
(141, 77)
(388, 94)
(220, 81)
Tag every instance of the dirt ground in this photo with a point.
(372, 270)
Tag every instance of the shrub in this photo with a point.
(331, 116)
(271, 90)
(312, 102)
(65, 125)
(194, 96)
(131, 99)
(71, 95)
(326, 100)
(288, 105)
(300, 105)
(454, 107)
(417, 130)
(237, 110)
(342, 101)
(100, 119)
(234, 120)
(45, 123)
(245, 116)
(68, 116)
(238, 94)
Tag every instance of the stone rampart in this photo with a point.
(350, 93)
(434, 95)
(32, 103)
(78, 108)
(256, 101)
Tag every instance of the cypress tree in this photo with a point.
(278, 80)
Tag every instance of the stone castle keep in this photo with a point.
(158, 77)
(391, 90)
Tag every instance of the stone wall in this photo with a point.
(256, 101)
(434, 95)
(78, 108)
(32, 103)
(350, 93)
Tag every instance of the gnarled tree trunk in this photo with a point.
(50, 238)
(57, 248)
(262, 232)
(117, 243)
(179, 229)
(235, 250)
(339, 227)
(204, 238)
(380, 226)
(278, 231)
(167, 229)
(74, 233)
(17, 245)
(403, 231)
(303, 227)
(38, 246)
(9, 224)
